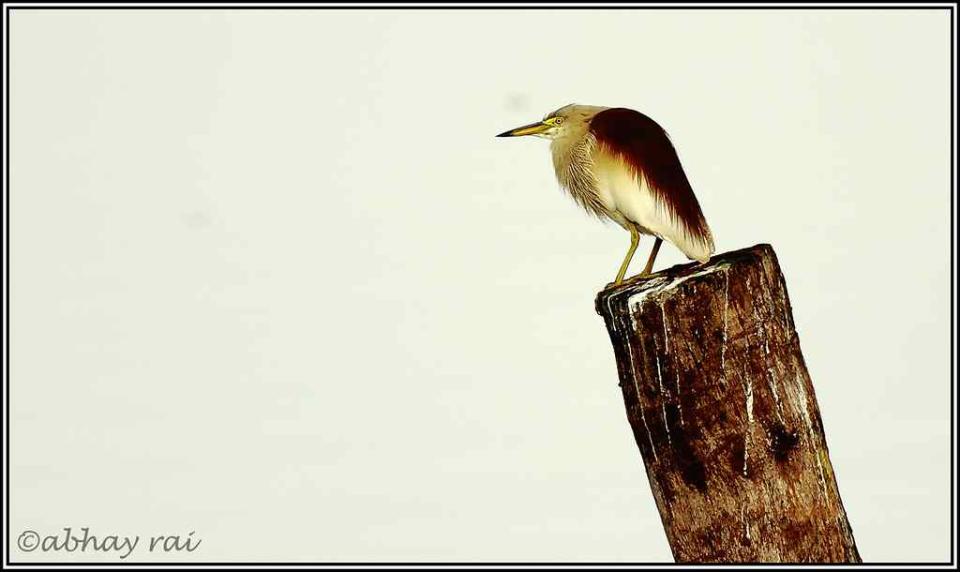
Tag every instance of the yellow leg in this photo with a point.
(653, 256)
(634, 241)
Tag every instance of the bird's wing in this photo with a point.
(641, 144)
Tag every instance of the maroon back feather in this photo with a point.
(641, 143)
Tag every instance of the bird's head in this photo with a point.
(556, 124)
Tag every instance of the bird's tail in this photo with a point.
(697, 246)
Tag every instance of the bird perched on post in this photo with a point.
(619, 164)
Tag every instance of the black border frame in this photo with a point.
(7, 562)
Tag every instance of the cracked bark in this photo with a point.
(724, 413)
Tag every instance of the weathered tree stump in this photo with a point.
(724, 413)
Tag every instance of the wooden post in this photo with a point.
(724, 413)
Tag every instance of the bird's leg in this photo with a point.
(653, 256)
(634, 241)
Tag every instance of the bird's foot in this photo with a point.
(622, 281)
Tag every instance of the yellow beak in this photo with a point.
(532, 129)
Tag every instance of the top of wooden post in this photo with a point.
(665, 280)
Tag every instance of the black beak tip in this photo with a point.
(504, 134)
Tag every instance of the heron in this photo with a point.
(619, 164)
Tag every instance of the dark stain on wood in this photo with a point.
(692, 469)
(782, 441)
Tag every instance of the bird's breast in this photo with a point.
(573, 161)
(604, 185)
(629, 196)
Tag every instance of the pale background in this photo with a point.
(273, 279)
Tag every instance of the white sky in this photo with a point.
(274, 281)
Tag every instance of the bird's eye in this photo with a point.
(558, 121)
